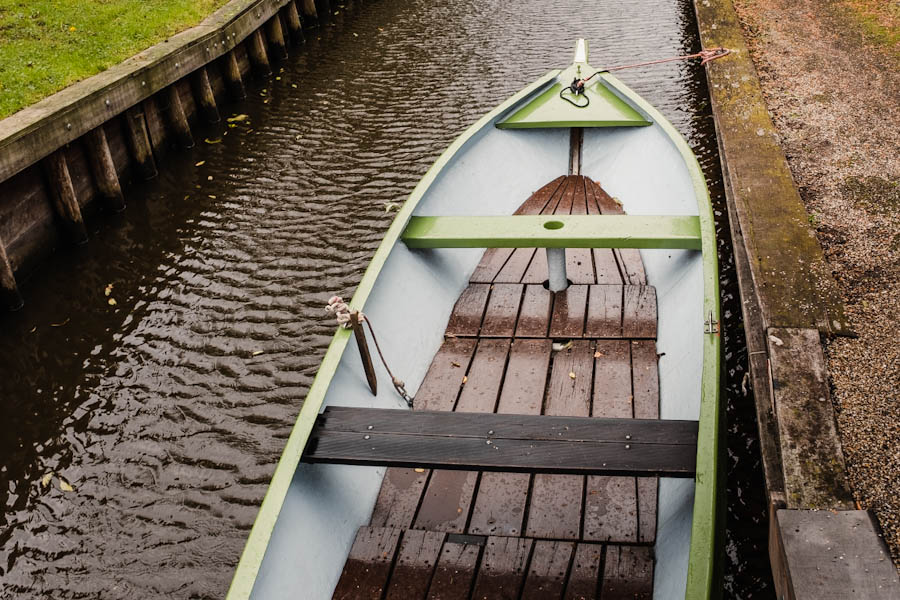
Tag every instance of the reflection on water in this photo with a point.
(166, 411)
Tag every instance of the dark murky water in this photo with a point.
(166, 412)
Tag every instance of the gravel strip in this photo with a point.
(836, 104)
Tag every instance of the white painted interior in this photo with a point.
(412, 300)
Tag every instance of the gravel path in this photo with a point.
(835, 101)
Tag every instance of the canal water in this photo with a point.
(150, 383)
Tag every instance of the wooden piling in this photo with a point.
(9, 291)
(275, 33)
(179, 119)
(323, 11)
(139, 142)
(206, 99)
(56, 170)
(104, 169)
(294, 26)
(233, 79)
(259, 58)
(308, 10)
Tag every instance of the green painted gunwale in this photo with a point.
(701, 565)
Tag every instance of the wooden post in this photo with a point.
(156, 128)
(104, 169)
(140, 142)
(179, 119)
(62, 192)
(206, 100)
(275, 33)
(294, 26)
(323, 11)
(308, 10)
(256, 49)
(364, 354)
(233, 78)
(9, 291)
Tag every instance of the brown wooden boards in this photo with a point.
(502, 569)
(415, 565)
(368, 565)
(545, 461)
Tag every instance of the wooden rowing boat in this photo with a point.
(563, 348)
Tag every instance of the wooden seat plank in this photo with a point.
(448, 495)
(628, 573)
(467, 314)
(569, 309)
(368, 565)
(585, 572)
(639, 312)
(547, 572)
(502, 310)
(604, 311)
(500, 503)
(534, 316)
(645, 383)
(555, 507)
(536, 271)
(502, 570)
(402, 488)
(455, 572)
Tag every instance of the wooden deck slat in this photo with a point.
(585, 572)
(555, 507)
(419, 552)
(579, 261)
(534, 316)
(547, 572)
(502, 569)
(645, 382)
(569, 308)
(368, 565)
(455, 572)
(628, 573)
(606, 267)
(604, 311)
(612, 398)
(401, 488)
(502, 310)
(500, 504)
(448, 495)
(465, 320)
(639, 312)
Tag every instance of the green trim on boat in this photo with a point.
(554, 231)
(255, 549)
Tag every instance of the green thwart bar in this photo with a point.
(554, 231)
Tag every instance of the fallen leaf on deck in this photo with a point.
(571, 374)
(465, 378)
(455, 364)
(419, 470)
(598, 354)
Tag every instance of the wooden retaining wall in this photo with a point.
(75, 153)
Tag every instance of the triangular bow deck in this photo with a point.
(534, 533)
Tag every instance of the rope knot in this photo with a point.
(341, 311)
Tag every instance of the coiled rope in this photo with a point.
(576, 89)
(341, 312)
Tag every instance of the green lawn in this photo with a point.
(46, 45)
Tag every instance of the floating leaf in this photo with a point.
(108, 290)
(209, 178)
(294, 85)
(355, 35)
(209, 141)
(278, 79)
(257, 352)
(45, 480)
(64, 486)
(200, 164)
(389, 206)
(60, 324)
(213, 196)
(112, 302)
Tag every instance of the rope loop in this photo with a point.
(341, 311)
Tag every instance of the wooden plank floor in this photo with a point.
(513, 347)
